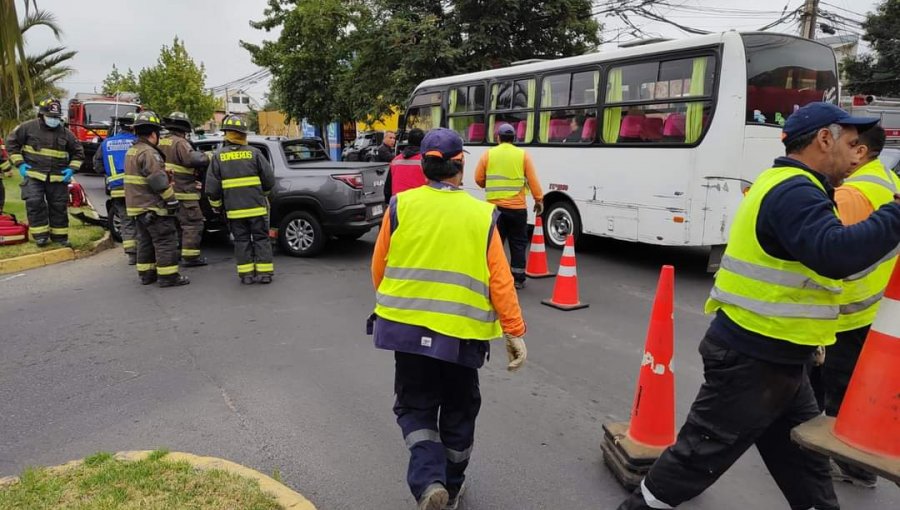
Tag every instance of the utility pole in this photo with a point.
(808, 19)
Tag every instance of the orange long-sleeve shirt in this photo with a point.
(503, 293)
(517, 201)
(853, 206)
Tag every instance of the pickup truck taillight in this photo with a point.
(355, 181)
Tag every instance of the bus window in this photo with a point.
(785, 73)
(424, 111)
(512, 102)
(659, 102)
(559, 121)
(466, 112)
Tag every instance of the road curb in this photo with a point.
(284, 496)
(46, 258)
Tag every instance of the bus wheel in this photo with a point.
(560, 220)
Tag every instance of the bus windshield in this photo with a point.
(785, 73)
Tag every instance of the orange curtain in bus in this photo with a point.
(612, 117)
(694, 121)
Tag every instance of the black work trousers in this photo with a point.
(437, 403)
(743, 402)
(252, 248)
(157, 246)
(46, 204)
(512, 225)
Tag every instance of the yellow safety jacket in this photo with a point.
(505, 172)
(437, 274)
(864, 290)
(777, 298)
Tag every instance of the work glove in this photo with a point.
(515, 349)
(819, 356)
(538, 208)
(67, 174)
(24, 167)
(172, 206)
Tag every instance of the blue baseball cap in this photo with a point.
(815, 116)
(506, 129)
(442, 142)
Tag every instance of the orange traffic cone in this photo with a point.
(565, 290)
(630, 448)
(536, 267)
(869, 418)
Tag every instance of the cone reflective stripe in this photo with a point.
(653, 412)
(565, 289)
(869, 418)
(536, 266)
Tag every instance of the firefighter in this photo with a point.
(150, 200)
(239, 178)
(111, 155)
(47, 155)
(185, 164)
(443, 291)
(5, 171)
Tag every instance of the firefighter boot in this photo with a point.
(265, 279)
(247, 280)
(194, 262)
(42, 242)
(148, 279)
(176, 280)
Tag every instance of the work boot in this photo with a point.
(132, 258)
(147, 280)
(42, 242)
(176, 281)
(434, 498)
(843, 472)
(519, 285)
(247, 280)
(64, 243)
(194, 262)
(265, 278)
(453, 501)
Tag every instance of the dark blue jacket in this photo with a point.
(797, 222)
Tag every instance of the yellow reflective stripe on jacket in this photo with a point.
(134, 179)
(178, 169)
(168, 193)
(215, 203)
(75, 164)
(167, 270)
(187, 196)
(505, 172)
(253, 212)
(34, 174)
(52, 153)
(776, 298)
(16, 159)
(137, 211)
(241, 182)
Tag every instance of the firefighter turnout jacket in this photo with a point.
(184, 164)
(147, 187)
(239, 177)
(111, 155)
(49, 151)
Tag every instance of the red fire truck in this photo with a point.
(91, 116)
(885, 108)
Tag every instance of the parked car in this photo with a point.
(314, 198)
(363, 147)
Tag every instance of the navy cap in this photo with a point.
(506, 129)
(815, 116)
(442, 142)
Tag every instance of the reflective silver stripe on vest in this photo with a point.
(861, 305)
(771, 275)
(867, 271)
(502, 188)
(875, 180)
(495, 177)
(437, 306)
(437, 276)
(417, 436)
(457, 456)
(411, 162)
(793, 311)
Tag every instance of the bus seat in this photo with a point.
(589, 131)
(652, 129)
(559, 129)
(632, 125)
(476, 133)
(521, 130)
(673, 127)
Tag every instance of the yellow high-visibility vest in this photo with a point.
(505, 173)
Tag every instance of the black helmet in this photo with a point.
(50, 107)
(147, 119)
(234, 123)
(178, 121)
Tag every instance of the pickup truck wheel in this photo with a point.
(300, 235)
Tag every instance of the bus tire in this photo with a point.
(561, 219)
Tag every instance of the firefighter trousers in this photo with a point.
(512, 225)
(157, 246)
(127, 228)
(46, 204)
(190, 218)
(436, 407)
(252, 248)
(743, 402)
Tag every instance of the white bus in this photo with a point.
(664, 154)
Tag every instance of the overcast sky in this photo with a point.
(129, 33)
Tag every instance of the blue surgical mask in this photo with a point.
(51, 122)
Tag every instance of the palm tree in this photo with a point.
(12, 50)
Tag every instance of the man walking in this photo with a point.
(240, 177)
(385, 152)
(777, 297)
(443, 291)
(47, 155)
(506, 173)
(111, 157)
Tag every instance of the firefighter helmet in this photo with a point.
(234, 123)
(147, 119)
(50, 107)
(178, 121)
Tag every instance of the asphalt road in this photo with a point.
(282, 377)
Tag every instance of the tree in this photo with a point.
(878, 74)
(116, 82)
(176, 83)
(13, 74)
